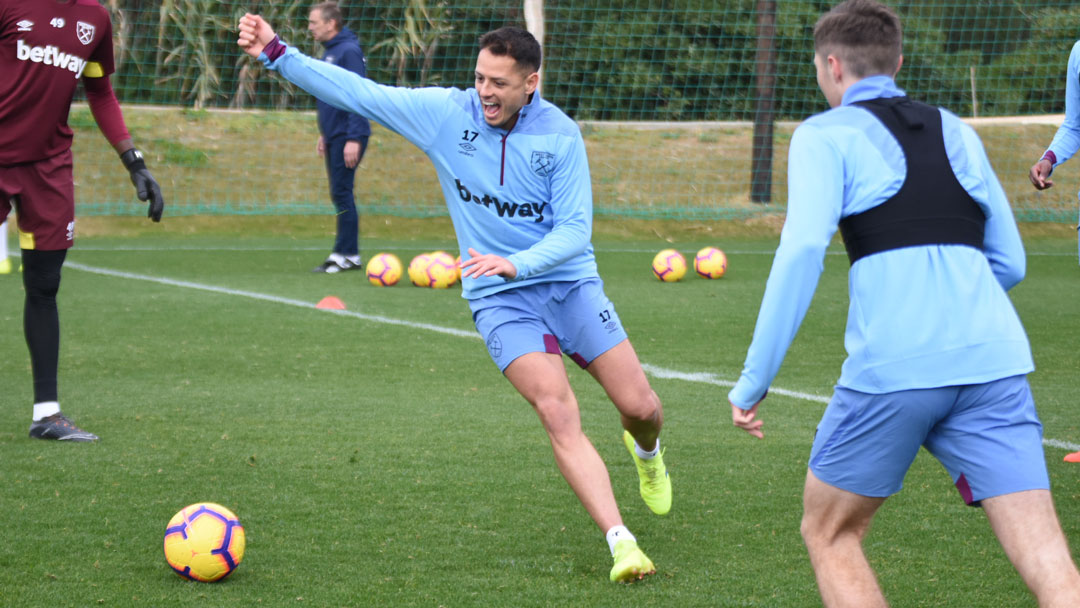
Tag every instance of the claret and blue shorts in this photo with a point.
(572, 317)
(43, 195)
(987, 436)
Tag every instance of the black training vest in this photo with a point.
(931, 207)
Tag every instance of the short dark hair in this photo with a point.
(330, 11)
(864, 34)
(519, 44)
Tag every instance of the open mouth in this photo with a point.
(491, 109)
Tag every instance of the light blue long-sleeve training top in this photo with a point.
(524, 194)
(919, 317)
(1067, 139)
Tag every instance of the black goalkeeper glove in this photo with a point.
(146, 188)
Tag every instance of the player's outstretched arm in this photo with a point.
(255, 34)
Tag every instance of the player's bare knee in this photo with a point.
(810, 531)
(644, 408)
(559, 416)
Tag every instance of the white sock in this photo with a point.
(642, 454)
(45, 409)
(617, 533)
(3, 240)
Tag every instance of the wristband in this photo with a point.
(133, 159)
(1050, 156)
(274, 49)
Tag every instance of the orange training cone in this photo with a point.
(1074, 457)
(331, 303)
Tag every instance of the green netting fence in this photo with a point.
(687, 106)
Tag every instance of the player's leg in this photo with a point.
(41, 319)
(591, 332)
(524, 349)
(46, 216)
(5, 262)
(834, 524)
(541, 379)
(1027, 527)
(992, 447)
(863, 447)
(619, 372)
(6, 175)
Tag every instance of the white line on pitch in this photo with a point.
(653, 370)
(269, 298)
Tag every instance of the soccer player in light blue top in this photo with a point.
(1067, 139)
(516, 181)
(937, 356)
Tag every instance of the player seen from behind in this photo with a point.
(937, 356)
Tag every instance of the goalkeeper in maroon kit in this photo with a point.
(46, 48)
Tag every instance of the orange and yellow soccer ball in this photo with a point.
(204, 542)
(384, 269)
(443, 270)
(418, 270)
(437, 269)
(710, 263)
(669, 266)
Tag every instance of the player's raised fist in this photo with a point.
(255, 34)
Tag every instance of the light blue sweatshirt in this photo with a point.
(1067, 139)
(524, 195)
(919, 317)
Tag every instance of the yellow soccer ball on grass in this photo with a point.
(204, 542)
(669, 265)
(443, 270)
(710, 263)
(418, 270)
(384, 269)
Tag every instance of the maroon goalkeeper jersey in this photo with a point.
(46, 46)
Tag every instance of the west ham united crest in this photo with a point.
(494, 345)
(85, 32)
(541, 163)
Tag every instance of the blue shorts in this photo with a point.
(574, 317)
(987, 436)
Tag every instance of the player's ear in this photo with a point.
(531, 82)
(899, 63)
(835, 67)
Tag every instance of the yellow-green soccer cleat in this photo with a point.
(630, 562)
(655, 484)
(5, 266)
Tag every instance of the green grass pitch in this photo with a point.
(383, 464)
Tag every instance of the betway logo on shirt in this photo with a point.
(534, 211)
(50, 55)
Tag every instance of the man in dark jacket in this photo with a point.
(343, 136)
